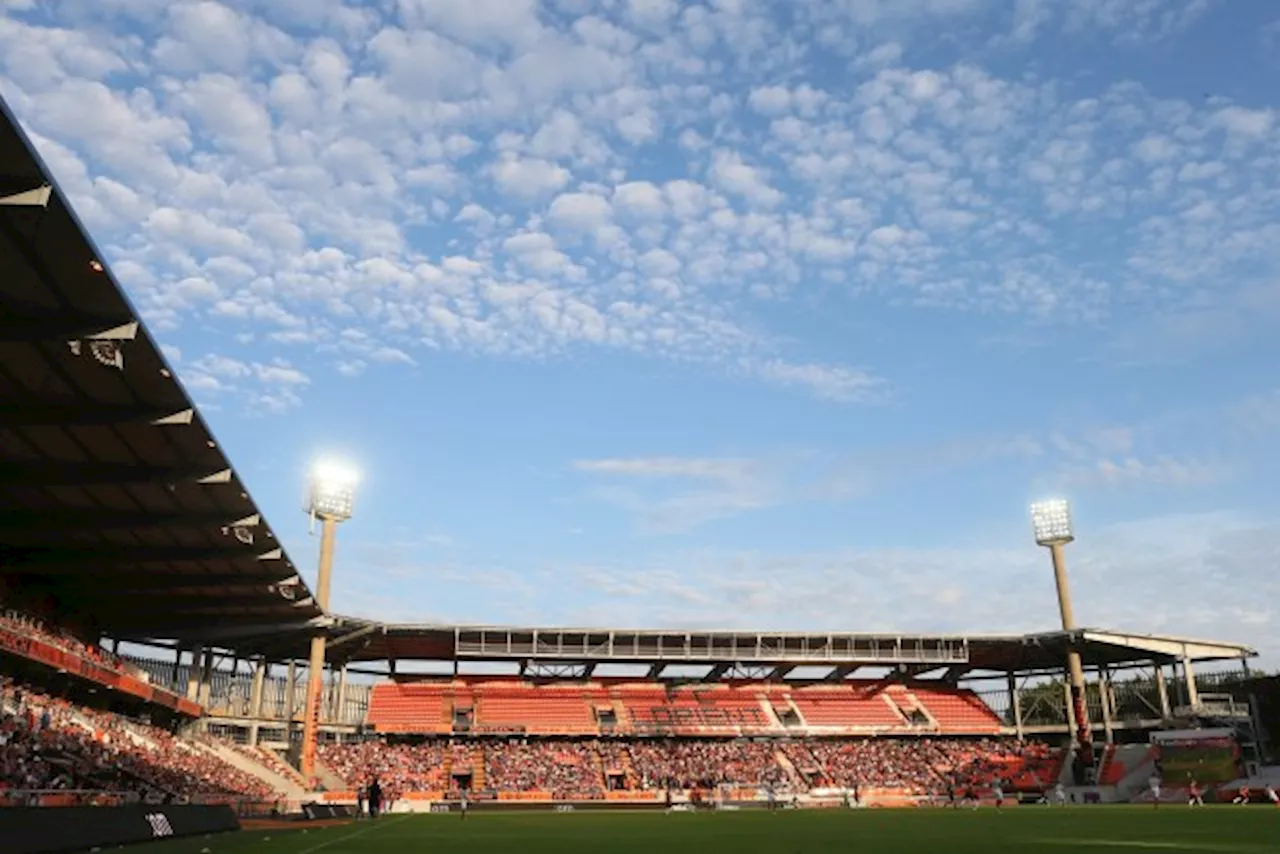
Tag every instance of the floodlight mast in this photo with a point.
(1051, 522)
(330, 496)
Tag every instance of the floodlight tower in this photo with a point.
(330, 494)
(1051, 521)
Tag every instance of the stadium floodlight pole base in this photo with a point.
(315, 680)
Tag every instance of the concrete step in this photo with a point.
(332, 781)
(237, 759)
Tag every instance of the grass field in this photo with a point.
(1083, 830)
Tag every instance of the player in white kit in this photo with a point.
(1271, 795)
(1154, 784)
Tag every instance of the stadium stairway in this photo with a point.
(621, 715)
(906, 703)
(275, 763)
(784, 762)
(477, 769)
(247, 765)
(332, 781)
(795, 710)
(770, 715)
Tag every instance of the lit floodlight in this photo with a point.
(1051, 521)
(332, 490)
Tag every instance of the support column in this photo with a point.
(1104, 700)
(206, 679)
(255, 692)
(193, 673)
(237, 700)
(342, 695)
(254, 711)
(1015, 703)
(177, 663)
(290, 694)
(1070, 706)
(115, 649)
(1162, 689)
(1189, 675)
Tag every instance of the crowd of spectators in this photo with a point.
(586, 769)
(397, 768)
(50, 744)
(918, 766)
(31, 627)
(686, 764)
(568, 770)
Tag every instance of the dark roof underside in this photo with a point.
(118, 510)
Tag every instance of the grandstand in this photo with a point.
(155, 632)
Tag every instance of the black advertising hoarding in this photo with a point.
(47, 830)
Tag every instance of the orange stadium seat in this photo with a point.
(516, 706)
(958, 711)
(854, 706)
(409, 707)
(549, 710)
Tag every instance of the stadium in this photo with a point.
(168, 673)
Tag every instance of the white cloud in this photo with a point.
(700, 490)
(731, 173)
(1132, 471)
(662, 467)
(826, 381)
(885, 54)
(770, 100)
(1191, 560)
(480, 22)
(639, 199)
(1244, 122)
(646, 177)
(528, 178)
(579, 211)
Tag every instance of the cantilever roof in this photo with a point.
(355, 639)
(115, 499)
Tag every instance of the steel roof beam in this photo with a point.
(57, 561)
(61, 522)
(228, 629)
(34, 194)
(65, 327)
(841, 673)
(717, 672)
(779, 673)
(261, 594)
(45, 474)
(91, 415)
(353, 636)
(131, 606)
(167, 581)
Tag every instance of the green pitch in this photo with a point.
(1083, 830)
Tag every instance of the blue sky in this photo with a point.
(724, 314)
